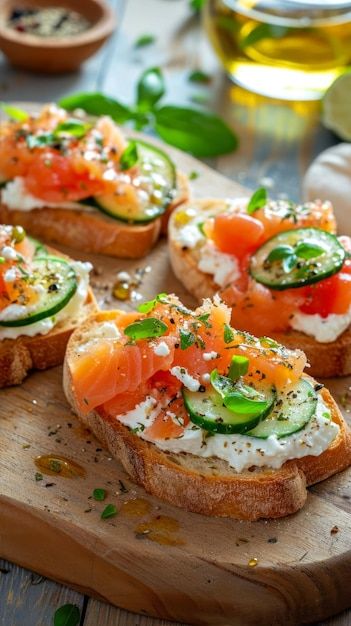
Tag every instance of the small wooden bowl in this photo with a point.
(53, 55)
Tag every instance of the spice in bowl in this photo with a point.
(48, 22)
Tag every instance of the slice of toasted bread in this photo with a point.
(21, 355)
(93, 231)
(326, 359)
(210, 486)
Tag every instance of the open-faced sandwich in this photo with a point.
(81, 183)
(278, 265)
(43, 298)
(209, 418)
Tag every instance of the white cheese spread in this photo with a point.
(188, 381)
(240, 451)
(323, 329)
(44, 326)
(224, 267)
(18, 198)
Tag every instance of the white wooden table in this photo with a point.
(278, 141)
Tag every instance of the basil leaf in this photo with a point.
(67, 615)
(289, 263)
(187, 339)
(97, 104)
(38, 141)
(279, 253)
(237, 397)
(204, 320)
(145, 329)
(198, 76)
(148, 306)
(200, 133)
(144, 40)
(257, 200)
(129, 157)
(99, 494)
(73, 127)
(238, 367)
(150, 89)
(309, 250)
(109, 511)
(19, 115)
(228, 334)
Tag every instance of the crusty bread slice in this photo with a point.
(326, 359)
(210, 486)
(19, 356)
(93, 231)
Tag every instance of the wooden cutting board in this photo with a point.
(153, 558)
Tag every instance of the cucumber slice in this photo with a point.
(295, 258)
(290, 414)
(58, 282)
(160, 174)
(206, 409)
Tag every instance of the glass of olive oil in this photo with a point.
(291, 49)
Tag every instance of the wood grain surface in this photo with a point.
(278, 141)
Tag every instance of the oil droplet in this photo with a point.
(121, 290)
(160, 529)
(56, 465)
(253, 562)
(136, 508)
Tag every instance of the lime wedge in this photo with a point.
(336, 110)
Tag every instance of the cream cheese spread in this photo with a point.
(240, 451)
(44, 326)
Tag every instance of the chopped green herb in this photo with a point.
(148, 306)
(309, 250)
(129, 157)
(204, 320)
(279, 253)
(145, 329)
(197, 5)
(144, 40)
(38, 141)
(267, 342)
(19, 115)
(238, 367)
(2, 259)
(75, 128)
(38, 476)
(257, 200)
(228, 334)
(187, 339)
(99, 494)
(193, 175)
(55, 466)
(109, 511)
(197, 76)
(67, 615)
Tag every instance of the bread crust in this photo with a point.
(92, 231)
(213, 488)
(327, 360)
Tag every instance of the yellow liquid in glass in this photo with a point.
(284, 49)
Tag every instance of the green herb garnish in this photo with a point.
(109, 511)
(196, 5)
(228, 334)
(67, 615)
(144, 40)
(38, 476)
(193, 175)
(99, 494)
(129, 157)
(146, 329)
(308, 250)
(75, 128)
(238, 397)
(198, 76)
(239, 366)
(19, 115)
(257, 200)
(38, 141)
(148, 306)
(187, 339)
